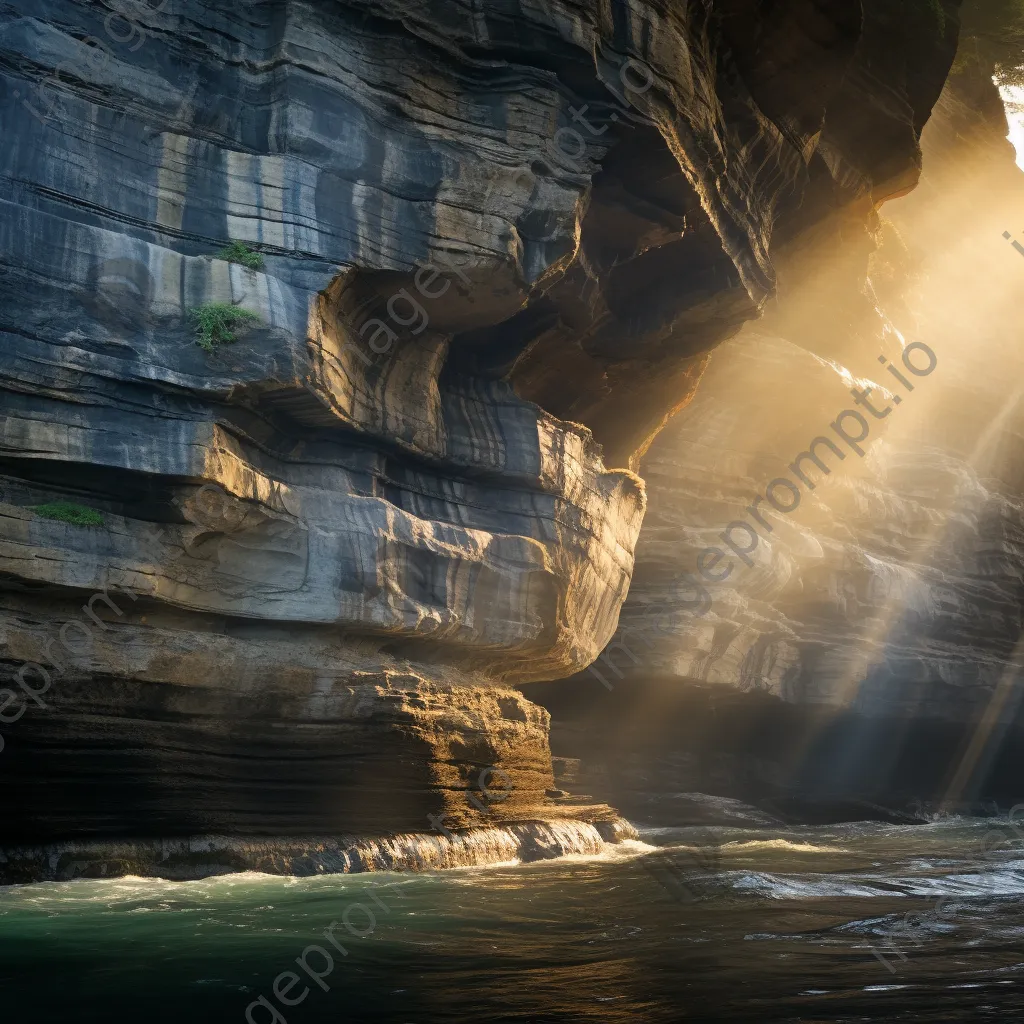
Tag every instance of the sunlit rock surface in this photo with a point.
(897, 584)
(872, 651)
(498, 242)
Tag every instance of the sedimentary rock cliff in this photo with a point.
(487, 250)
(863, 637)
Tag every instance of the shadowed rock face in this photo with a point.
(498, 242)
(872, 649)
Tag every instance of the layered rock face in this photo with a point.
(862, 640)
(496, 243)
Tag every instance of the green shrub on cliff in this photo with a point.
(215, 322)
(931, 17)
(69, 512)
(239, 252)
(992, 36)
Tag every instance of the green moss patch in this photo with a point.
(69, 512)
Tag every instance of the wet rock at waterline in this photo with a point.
(204, 856)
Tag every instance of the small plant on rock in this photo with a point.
(69, 512)
(215, 323)
(239, 252)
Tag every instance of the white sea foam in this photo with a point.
(1000, 882)
(780, 844)
(792, 887)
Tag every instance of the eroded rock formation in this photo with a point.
(498, 241)
(872, 649)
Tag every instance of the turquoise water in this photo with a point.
(688, 924)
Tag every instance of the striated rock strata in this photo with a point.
(872, 649)
(496, 242)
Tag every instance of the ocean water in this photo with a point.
(857, 922)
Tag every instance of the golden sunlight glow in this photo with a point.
(965, 425)
(1013, 97)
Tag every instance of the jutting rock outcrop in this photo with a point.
(485, 251)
